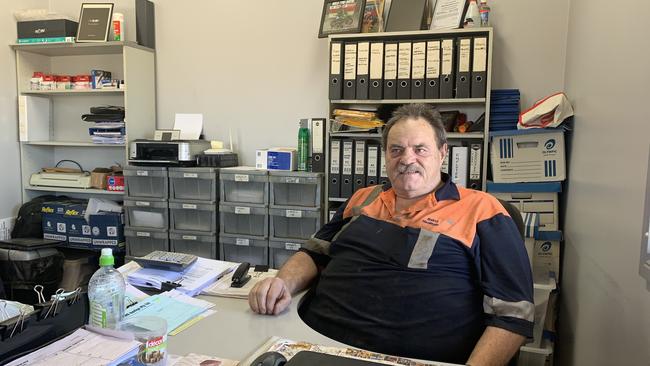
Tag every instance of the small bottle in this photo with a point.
(472, 18)
(106, 293)
(118, 27)
(484, 11)
(303, 146)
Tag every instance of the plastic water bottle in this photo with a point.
(303, 146)
(106, 293)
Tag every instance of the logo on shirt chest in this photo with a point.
(431, 221)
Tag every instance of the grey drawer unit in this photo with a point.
(242, 248)
(193, 184)
(146, 214)
(193, 216)
(197, 243)
(281, 250)
(294, 223)
(244, 185)
(142, 242)
(144, 182)
(302, 189)
(242, 219)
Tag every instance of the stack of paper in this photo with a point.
(222, 286)
(504, 109)
(153, 278)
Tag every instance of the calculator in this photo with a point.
(159, 259)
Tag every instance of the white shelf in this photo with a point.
(76, 49)
(72, 91)
(411, 34)
(71, 144)
(73, 190)
(406, 101)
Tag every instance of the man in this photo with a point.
(422, 269)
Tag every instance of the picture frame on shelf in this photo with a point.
(373, 16)
(448, 14)
(94, 22)
(341, 16)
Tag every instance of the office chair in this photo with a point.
(516, 216)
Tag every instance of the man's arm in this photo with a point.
(273, 295)
(496, 347)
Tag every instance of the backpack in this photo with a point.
(29, 221)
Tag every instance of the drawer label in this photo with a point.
(142, 203)
(291, 246)
(293, 213)
(189, 237)
(142, 173)
(143, 234)
(241, 177)
(239, 210)
(190, 175)
(293, 180)
(242, 241)
(190, 206)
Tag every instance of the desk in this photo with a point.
(235, 331)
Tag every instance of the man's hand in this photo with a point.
(269, 296)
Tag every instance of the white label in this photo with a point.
(85, 229)
(142, 173)
(293, 213)
(335, 59)
(445, 163)
(189, 206)
(291, 246)
(433, 59)
(317, 136)
(390, 61)
(60, 227)
(475, 162)
(464, 57)
(376, 60)
(292, 180)
(189, 237)
(372, 160)
(362, 58)
(382, 165)
(241, 241)
(404, 62)
(335, 158)
(142, 234)
(350, 68)
(190, 175)
(359, 156)
(347, 157)
(111, 231)
(419, 55)
(142, 203)
(241, 177)
(447, 56)
(239, 210)
(480, 54)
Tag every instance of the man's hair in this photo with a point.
(415, 111)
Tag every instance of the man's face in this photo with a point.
(413, 159)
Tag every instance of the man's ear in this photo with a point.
(444, 150)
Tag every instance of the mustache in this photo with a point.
(408, 168)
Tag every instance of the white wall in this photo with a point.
(605, 312)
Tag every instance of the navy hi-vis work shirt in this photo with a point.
(421, 283)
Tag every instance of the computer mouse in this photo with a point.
(270, 359)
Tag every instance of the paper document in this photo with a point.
(222, 286)
(174, 311)
(152, 278)
(190, 125)
(82, 348)
(194, 359)
(203, 273)
(447, 14)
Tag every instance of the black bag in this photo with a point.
(29, 221)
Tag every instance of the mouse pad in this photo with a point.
(309, 358)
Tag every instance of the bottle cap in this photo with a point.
(106, 259)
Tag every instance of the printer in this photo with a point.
(166, 153)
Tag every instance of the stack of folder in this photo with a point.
(504, 109)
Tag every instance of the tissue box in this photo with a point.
(46, 28)
(282, 159)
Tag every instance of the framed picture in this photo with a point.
(94, 22)
(448, 14)
(341, 16)
(373, 17)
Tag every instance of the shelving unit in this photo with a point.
(59, 133)
(473, 107)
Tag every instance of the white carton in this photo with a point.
(261, 158)
(527, 156)
(546, 254)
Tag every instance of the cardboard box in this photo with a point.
(261, 158)
(115, 183)
(546, 256)
(539, 198)
(107, 229)
(282, 158)
(77, 228)
(54, 222)
(46, 28)
(527, 156)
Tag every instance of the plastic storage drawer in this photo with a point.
(281, 250)
(146, 182)
(236, 248)
(244, 220)
(146, 214)
(296, 189)
(193, 184)
(191, 216)
(294, 223)
(244, 186)
(200, 244)
(142, 242)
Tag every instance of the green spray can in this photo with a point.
(303, 145)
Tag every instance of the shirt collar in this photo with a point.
(448, 191)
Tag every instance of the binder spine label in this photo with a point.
(475, 162)
(335, 164)
(445, 163)
(372, 161)
(362, 58)
(347, 158)
(350, 69)
(419, 56)
(382, 166)
(433, 59)
(447, 56)
(390, 63)
(376, 60)
(404, 62)
(317, 136)
(335, 59)
(480, 54)
(463, 62)
(359, 160)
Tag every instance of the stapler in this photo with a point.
(241, 276)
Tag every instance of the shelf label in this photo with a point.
(189, 237)
(241, 177)
(190, 206)
(142, 203)
(293, 213)
(242, 210)
(190, 175)
(142, 173)
(242, 242)
(143, 234)
(291, 246)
